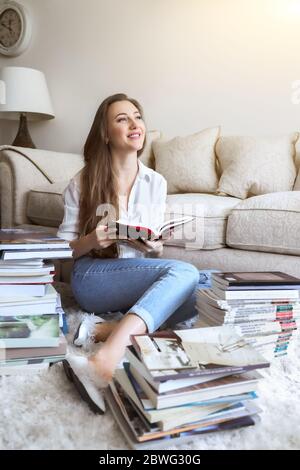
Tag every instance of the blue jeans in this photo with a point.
(154, 289)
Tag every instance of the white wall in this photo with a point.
(191, 63)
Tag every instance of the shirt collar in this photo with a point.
(144, 172)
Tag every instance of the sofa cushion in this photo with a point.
(252, 166)
(188, 163)
(45, 204)
(266, 223)
(208, 230)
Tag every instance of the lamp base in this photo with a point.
(23, 138)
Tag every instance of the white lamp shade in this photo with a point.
(26, 91)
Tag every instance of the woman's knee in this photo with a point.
(186, 270)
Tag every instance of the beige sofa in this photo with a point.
(256, 233)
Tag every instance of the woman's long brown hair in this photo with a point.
(98, 179)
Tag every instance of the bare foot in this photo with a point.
(103, 330)
(105, 363)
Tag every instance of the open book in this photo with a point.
(126, 231)
(194, 352)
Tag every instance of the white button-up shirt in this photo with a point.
(146, 207)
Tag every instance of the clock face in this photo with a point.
(10, 27)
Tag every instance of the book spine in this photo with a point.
(251, 287)
(262, 328)
(21, 310)
(209, 372)
(252, 309)
(231, 318)
(217, 302)
(270, 309)
(257, 294)
(30, 361)
(29, 342)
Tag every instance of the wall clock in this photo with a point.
(15, 28)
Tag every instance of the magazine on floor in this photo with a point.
(197, 351)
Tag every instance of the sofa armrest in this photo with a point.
(22, 169)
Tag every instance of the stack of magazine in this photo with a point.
(31, 316)
(183, 383)
(263, 307)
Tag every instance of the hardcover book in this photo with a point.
(15, 354)
(124, 231)
(142, 435)
(33, 331)
(49, 295)
(18, 238)
(49, 253)
(258, 294)
(260, 278)
(20, 290)
(166, 385)
(141, 401)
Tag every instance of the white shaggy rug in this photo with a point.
(46, 412)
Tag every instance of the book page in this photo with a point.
(173, 223)
(147, 348)
(218, 345)
(170, 354)
(204, 335)
(238, 354)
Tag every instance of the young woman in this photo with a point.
(109, 276)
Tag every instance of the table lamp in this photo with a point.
(26, 97)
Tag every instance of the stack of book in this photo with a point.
(263, 307)
(180, 384)
(31, 317)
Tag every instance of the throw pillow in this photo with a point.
(45, 204)
(188, 163)
(252, 166)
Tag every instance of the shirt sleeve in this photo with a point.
(69, 228)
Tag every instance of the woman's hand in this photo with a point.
(168, 236)
(95, 240)
(156, 247)
(102, 237)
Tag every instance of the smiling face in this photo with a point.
(125, 127)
